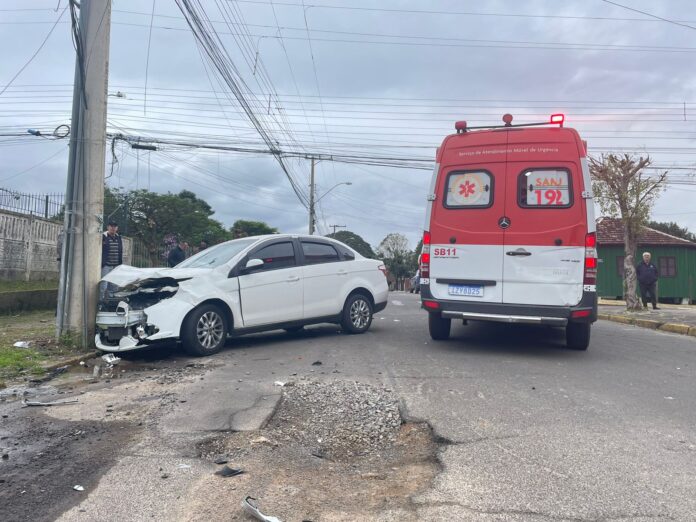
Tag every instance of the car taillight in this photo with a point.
(383, 269)
(590, 275)
(425, 256)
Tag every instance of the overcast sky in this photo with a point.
(348, 78)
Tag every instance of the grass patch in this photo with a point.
(22, 286)
(16, 361)
(38, 328)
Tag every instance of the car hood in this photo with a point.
(125, 276)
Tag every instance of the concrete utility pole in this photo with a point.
(84, 207)
(312, 190)
(335, 227)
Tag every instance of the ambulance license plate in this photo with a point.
(466, 290)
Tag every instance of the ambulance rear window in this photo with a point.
(469, 189)
(544, 188)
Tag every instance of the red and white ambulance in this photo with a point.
(510, 230)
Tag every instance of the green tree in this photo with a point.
(673, 229)
(623, 190)
(396, 255)
(244, 228)
(355, 242)
(148, 217)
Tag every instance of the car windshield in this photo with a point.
(216, 255)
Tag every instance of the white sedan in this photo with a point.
(238, 287)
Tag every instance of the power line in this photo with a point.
(38, 50)
(650, 14)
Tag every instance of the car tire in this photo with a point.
(356, 317)
(578, 335)
(204, 331)
(439, 327)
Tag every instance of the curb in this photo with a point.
(71, 361)
(683, 329)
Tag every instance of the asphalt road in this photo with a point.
(529, 430)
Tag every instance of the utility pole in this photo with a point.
(312, 190)
(80, 270)
(335, 227)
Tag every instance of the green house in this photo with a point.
(674, 257)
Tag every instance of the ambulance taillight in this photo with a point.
(425, 256)
(590, 275)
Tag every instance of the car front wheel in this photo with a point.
(356, 317)
(204, 331)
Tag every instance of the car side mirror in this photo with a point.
(252, 264)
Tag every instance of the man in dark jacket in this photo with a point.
(112, 253)
(647, 279)
(177, 254)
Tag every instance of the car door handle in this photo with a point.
(342, 272)
(518, 252)
(293, 279)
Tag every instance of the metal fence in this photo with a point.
(47, 206)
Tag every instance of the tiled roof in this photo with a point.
(610, 232)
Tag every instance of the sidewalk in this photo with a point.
(679, 319)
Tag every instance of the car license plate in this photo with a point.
(466, 290)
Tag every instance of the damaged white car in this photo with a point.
(238, 287)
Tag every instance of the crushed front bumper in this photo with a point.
(124, 330)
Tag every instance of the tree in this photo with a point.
(673, 229)
(150, 217)
(396, 254)
(244, 228)
(355, 242)
(623, 190)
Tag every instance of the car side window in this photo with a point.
(275, 256)
(316, 253)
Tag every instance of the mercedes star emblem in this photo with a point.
(504, 222)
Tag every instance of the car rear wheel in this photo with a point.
(356, 317)
(204, 331)
(578, 335)
(439, 327)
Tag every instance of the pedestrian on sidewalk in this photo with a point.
(647, 279)
(177, 254)
(112, 253)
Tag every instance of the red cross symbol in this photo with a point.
(467, 189)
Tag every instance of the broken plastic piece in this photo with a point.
(279, 383)
(221, 460)
(229, 472)
(55, 403)
(184, 466)
(78, 488)
(250, 507)
(317, 363)
(110, 358)
(22, 344)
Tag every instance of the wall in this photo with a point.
(683, 285)
(28, 247)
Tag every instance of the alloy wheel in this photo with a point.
(210, 330)
(360, 313)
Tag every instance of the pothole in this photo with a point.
(332, 451)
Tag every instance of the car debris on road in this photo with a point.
(250, 507)
(54, 403)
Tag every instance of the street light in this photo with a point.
(313, 201)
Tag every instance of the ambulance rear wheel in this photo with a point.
(578, 336)
(439, 327)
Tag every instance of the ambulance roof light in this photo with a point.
(507, 118)
(460, 126)
(558, 119)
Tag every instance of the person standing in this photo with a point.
(112, 253)
(177, 254)
(647, 279)
(202, 245)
